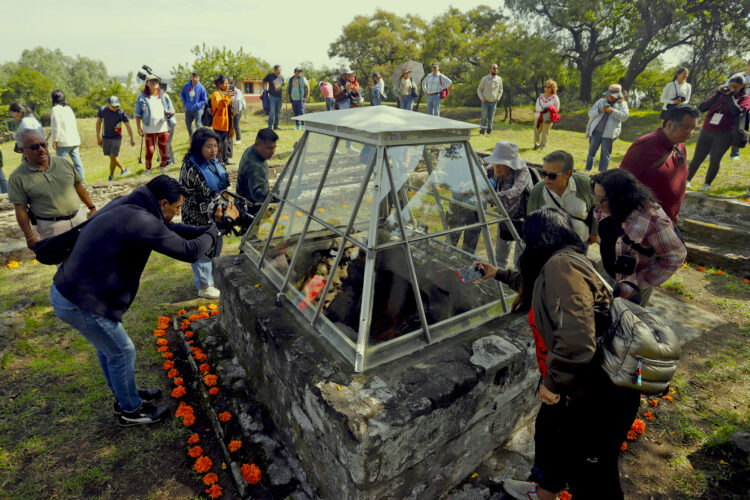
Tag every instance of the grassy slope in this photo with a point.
(57, 435)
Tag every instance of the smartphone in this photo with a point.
(469, 274)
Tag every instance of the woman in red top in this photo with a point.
(718, 133)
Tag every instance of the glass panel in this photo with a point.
(304, 183)
(282, 242)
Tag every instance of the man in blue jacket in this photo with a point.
(194, 98)
(95, 286)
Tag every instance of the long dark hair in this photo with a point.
(17, 107)
(624, 192)
(545, 231)
(197, 141)
(58, 97)
(219, 80)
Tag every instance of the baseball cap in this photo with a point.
(297, 69)
(114, 101)
(152, 77)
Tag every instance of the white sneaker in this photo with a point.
(521, 490)
(125, 172)
(209, 293)
(163, 170)
(238, 142)
(705, 187)
(688, 185)
(148, 171)
(735, 158)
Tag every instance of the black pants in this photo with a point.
(237, 133)
(578, 440)
(226, 145)
(714, 143)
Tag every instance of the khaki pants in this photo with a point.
(47, 228)
(540, 134)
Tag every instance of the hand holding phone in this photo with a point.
(469, 274)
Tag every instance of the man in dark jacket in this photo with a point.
(95, 286)
(252, 177)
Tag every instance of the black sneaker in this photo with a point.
(148, 413)
(146, 395)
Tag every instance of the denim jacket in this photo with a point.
(143, 110)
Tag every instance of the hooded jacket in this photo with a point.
(104, 269)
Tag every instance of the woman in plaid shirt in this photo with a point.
(633, 224)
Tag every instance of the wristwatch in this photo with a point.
(92, 207)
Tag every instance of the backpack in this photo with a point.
(639, 351)
(207, 119)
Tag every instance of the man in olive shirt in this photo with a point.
(46, 188)
(252, 177)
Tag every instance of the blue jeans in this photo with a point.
(274, 111)
(114, 348)
(203, 276)
(3, 182)
(298, 108)
(407, 102)
(377, 99)
(193, 116)
(330, 101)
(169, 143)
(594, 143)
(75, 157)
(433, 104)
(488, 115)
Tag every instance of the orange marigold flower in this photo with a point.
(190, 342)
(168, 365)
(200, 357)
(178, 381)
(624, 446)
(745, 280)
(180, 312)
(196, 350)
(203, 464)
(159, 333)
(213, 391)
(195, 451)
(211, 478)
(189, 334)
(188, 420)
(213, 306)
(195, 438)
(203, 315)
(214, 313)
(632, 436)
(639, 426)
(701, 268)
(161, 342)
(204, 368)
(667, 397)
(251, 473)
(202, 308)
(184, 327)
(719, 271)
(172, 373)
(193, 317)
(184, 410)
(564, 495)
(214, 491)
(167, 355)
(163, 319)
(179, 391)
(671, 390)
(234, 445)
(648, 415)
(653, 402)
(210, 380)
(225, 416)
(185, 322)
(163, 348)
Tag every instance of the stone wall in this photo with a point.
(412, 428)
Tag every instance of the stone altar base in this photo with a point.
(412, 428)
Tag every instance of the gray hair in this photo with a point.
(24, 133)
(565, 159)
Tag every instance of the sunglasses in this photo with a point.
(35, 147)
(552, 176)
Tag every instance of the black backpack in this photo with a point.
(208, 118)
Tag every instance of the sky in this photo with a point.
(130, 33)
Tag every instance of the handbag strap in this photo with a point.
(591, 268)
(561, 207)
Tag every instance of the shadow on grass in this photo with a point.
(725, 470)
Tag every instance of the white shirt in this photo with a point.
(545, 101)
(572, 204)
(490, 88)
(63, 129)
(158, 121)
(672, 90)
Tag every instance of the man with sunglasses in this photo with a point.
(658, 159)
(567, 190)
(46, 191)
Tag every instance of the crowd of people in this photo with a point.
(631, 212)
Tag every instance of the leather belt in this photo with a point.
(55, 219)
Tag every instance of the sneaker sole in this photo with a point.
(124, 422)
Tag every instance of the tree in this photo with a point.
(210, 62)
(379, 42)
(76, 76)
(28, 87)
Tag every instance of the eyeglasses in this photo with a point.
(600, 199)
(551, 175)
(35, 147)
(548, 86)
(210, 146)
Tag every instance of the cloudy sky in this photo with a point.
(160, 33)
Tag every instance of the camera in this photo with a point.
(148, 71)
(625, 265)
(239, 225)
(725, 90)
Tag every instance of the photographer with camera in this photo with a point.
(202, 175)
(676, 92)
(735, 154)
(154, 114)
(605, 122)
(723, 110)
(223, 117)
(638, 241)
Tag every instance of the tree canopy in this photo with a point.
(210, 62)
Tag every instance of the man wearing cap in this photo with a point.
(298, 92)
(274, 84)
(490, 90)
(605, 122)
(377, 90)
(194, 97)
(110, 139)
(433, 86)
(511, 179)
(342, 88)
(45, 191)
